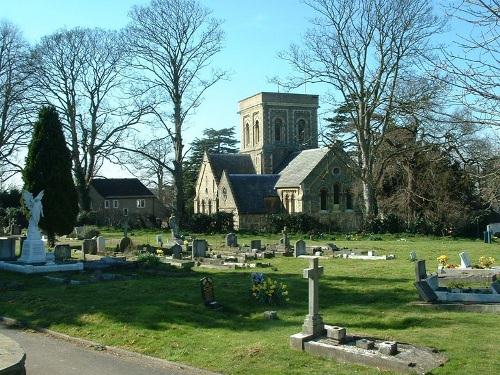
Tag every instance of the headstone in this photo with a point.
(371, 253)
(255, 244)
(208, 294)
(300, 248)
(313, 323)
(425, 291)
(413, 256)
(493, 228)
(231, 240)
(62, 252)
(15, 230)
(174, 227)
(125, 244)
(420, 270)
(159, 240)
(465, 261)
(199, 249)
(79, 231)
(89, 246)
(286, 240)
(271, 315)
(101, 244)
(33, 250)
(176, 251)
(487, 236)
(332, 246)
(7, 248)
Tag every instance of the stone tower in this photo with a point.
(274, 125)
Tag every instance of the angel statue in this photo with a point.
(36, 212)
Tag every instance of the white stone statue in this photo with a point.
(36, 212)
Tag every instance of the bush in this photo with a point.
(267, 291)
(217, 222)
(149, 260)
(90, 233)
(86, 218)
(301, 223)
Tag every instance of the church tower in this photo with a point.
(274, 125)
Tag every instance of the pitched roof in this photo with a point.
(232, 163)
(120, 187)
(300, 167)
(251, 189)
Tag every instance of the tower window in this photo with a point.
(292, 204)
(247, 134)
(287, 203)
(278, 129)
(301, 130)
(336, 194)
(323, 199)
(256, 133)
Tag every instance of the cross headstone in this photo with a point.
(300, 248)
(286, 240)
(313, 323)
(465, 261)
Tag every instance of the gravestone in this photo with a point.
(79, 231)
(255, 244)
(413, 256)
(14, 229)
(176, 251)
(208, 294)
(371, 253)
(159, 240)
(465, 261)
(285, 240)
(199, 249)
(493, 228)
(101, 244)
(125, 244)
(300, 248)
(313, 323)
(89, 246)
(62, 252)
(487, 236)
(420, 270)
(231, 240)
(7, 248)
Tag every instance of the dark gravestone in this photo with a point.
(420, 270)
(425, 291)
(125, 244)
(62, 252)
(89, 246)
(207, 293)
(255, 244)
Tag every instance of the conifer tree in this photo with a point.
(48, 167)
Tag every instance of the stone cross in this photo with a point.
(313, 323)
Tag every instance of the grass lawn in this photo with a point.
(165, 317)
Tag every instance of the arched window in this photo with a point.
(287, 203)
(224, 193)
(348, 200)
(209, 207)
(278, 130)
(256, 134)
(336, 194)
(301, 131)
(292, 204)
(203, 206)
(323, 199)
(247, 134)
(197, 206)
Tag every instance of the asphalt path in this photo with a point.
(48, 355)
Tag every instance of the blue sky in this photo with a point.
(255, 32)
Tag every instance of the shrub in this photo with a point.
(86, 218)
(149, 260)
(90, 233)
(217, 222)
(486, 262)
(301, 223)
(267, 291)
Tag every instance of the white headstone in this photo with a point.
(465, 261)
(371, 253)
(101, 244)
(33, 247)
(413, 256)
(493, 228)
(313, 323)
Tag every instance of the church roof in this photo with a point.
(250, 190)
(300, 167)
(120, 187)
(232, 163)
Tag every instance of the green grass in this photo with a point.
(164, 316)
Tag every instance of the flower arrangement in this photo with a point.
(486, 262)
(442, 260)
(267, 291)
(450, 265)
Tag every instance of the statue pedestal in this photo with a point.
(33, 252)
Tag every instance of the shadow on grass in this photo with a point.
(154, 302)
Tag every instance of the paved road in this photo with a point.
(47, 355)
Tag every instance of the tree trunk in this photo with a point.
(178, 175)
(82, 189)
(369, 200)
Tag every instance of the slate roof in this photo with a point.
(250, 190)
(300, 167)
(120, 187)
(231, 163)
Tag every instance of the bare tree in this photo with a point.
(475, 68)
(82, 73)
(365, 50)
(14, 98)
(174, 42)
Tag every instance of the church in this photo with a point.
(279, 168)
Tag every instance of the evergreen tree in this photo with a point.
(48, 167)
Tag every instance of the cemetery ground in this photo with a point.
(164, 316)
